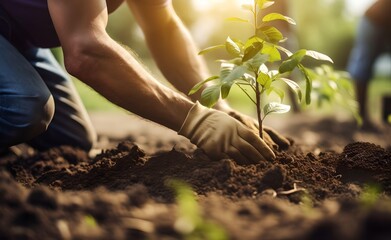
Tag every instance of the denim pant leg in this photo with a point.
(26, 104)
(71, 124)
(368, 46)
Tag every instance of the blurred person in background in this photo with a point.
(373, 38)
(39, 104)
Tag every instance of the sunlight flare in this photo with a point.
(243, 2)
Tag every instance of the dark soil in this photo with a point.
(122, 193)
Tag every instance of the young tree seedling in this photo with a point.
(248, 68)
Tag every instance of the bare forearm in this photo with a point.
(115, 74)
(177, 57)
(171, 46)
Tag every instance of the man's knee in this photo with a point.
(26, 118)
(35, 120)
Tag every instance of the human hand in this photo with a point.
(271, 137)
(222, 136)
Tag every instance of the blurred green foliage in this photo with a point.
(370, 195)
(190, 223)
(325, 27)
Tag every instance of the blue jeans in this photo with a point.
(371, 41)
(38, 102)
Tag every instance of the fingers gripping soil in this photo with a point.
(281, 141)
(254, 147)
(271, 137)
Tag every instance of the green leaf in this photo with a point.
(225, 88)
(248, 78)
(232, 48)
(255, 62)
(212, 48)
(286, 51)
(270, 34)
(252, 40)
(274, 74)
(274, 107)
(263, 68)
(299, 54)
(267, 4)
(237, 19)
(318, 56)
(292, 62)
(294, 86)
(264, 79)
(235, 61)
(272, 51)
(308, 85)
(236, 73)
(239, 43)
(226, 69)
(262, 4)
(210, 95)
(252, 50)
(277, 16)
(200, 84)
(279, 92)
(288, 65)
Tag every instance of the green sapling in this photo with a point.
(249, 67)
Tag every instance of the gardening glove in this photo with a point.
(222, 136)
(272, 138)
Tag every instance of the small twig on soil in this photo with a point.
(294, 190)
(139, 224)
(63, 227)
(269, 192)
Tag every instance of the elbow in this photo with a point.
(78, 63)
(82, 57)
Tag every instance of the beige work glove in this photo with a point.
(221, 136)
(271, 137)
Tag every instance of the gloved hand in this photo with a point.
(272, 138)
(222, 136)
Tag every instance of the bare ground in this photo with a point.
(332, 183)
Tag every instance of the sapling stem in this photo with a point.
(259, 110)
(257, 90)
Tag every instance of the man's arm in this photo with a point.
(170, 43)
(93, 57)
